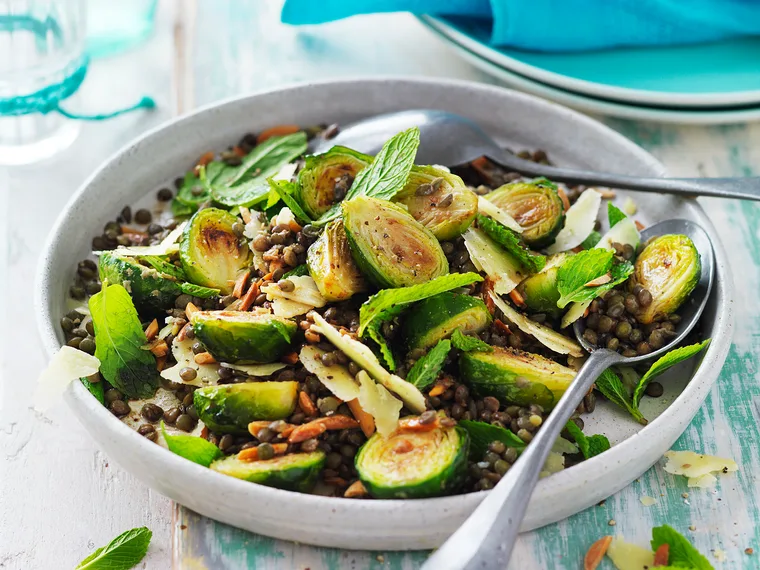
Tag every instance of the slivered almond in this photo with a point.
(240, 283)
(639, 225)
(356, 490)
(320, 426)
(133, 231)
(294, 226)
(307, 406)
(204, 432)
(596, 553)
(239, 152)
(277, 131)
(366, 421)
(606, 193)
(246, 302)
(517, 299)
(190, 310)
(415, 425)
(252, 453)
(160, 348)
(661, 555)
(564, 198)
(337, 481)
(183, 332)
(160, 363)
(503, 327)
(601, 280)
(152, 330)
(255, 427)
(487, 288)
(204, 159)
(437, 390)
(290, 358)
(245, 213)
(204, 358)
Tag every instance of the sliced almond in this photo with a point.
(601, 280)
(596, 553)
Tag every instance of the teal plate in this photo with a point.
(717, 74)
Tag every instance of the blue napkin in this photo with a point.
(565, 25)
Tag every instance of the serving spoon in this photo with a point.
(452, 140)
(485, 540)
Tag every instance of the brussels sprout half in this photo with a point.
(390, 247)
(536, 207)
(669, 268)
(439, 200)
(325, 178)
(540, 291)
(294, 472)
(211, 254)
(331, 265)
(151, 292)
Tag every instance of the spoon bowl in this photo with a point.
(486, 539)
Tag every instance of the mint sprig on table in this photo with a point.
(584, 267)
(426, 369)
(122, 553)
(681, 553)
(387, 174)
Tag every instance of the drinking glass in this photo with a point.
(41, 56)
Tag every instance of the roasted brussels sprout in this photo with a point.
(332, 266)
(211, 254)
(151, 292)
(420, 464)
(229, 408)
(390, 247)
(439, 200)
(536, 207)
(540, 291)
(325, 178)
(669, 268)
(239, 335)
(294, 472)
(438, 317)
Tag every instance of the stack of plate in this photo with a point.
(699, 84)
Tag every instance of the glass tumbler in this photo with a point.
(41, 57)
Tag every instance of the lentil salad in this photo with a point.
(314, 356)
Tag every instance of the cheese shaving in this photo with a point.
(377, 401)
(648, 501)
(626, 556)
(182, 350)
(67, 365)
(698, 467)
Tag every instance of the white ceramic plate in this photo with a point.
(520, 120)
(718, 74)
(601, 106)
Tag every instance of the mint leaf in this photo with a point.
(614, 214)
(374, 332)
(180, 210)
(682, 553)
(663, 363)
(386, 175)
(96, 389)
(469, 343)
(610, 385)
(192, 192)
(119, 337)
(198, 290)
(193, 448)
(543, 181)
(298, 271)
(589, 445)
(285, 191)
(122, 553)
(426, 369)
(163, 266)
(483, 434)
(510, 240)
(592, 239)
(388, 303)
(583, 268)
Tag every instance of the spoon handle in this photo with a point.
(747, 188)
(486, 539)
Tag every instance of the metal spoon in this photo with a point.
(485, 540)
(449, 139)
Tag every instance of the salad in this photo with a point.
(362, 326)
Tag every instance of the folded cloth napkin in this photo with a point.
(565, 25)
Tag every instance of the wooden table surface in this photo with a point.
(60, 497)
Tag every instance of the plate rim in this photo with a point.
(451, 33)
(178, 474)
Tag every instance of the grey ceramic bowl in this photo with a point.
(519, 120)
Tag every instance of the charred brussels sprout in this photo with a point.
(540, 291)
(439, 200)
(414, 464)
(238, 335)
(211, 254)
(294, 472)
(515, 377)
(151, 292)
(230, 408)
(332, 266)
(536, 207)
(439, 316)
(390, 247)
(325, 178)
(669, 268)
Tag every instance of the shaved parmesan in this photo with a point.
(284, 218)
(491, 259)
(574, 313)
(626, 556)
(629, 206)
(380, 403)
(554, 463)
(182, 350)
(336, 378)
(252, 229)
(706, 481)
(304, 291)
(257, 369)
(286, 172)
(289, 309)
(550, 338)
(491, 210)
(648, 501)
(698, 467)
(67, 365)
(624, 232)
(165, 247)
(579, 222)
